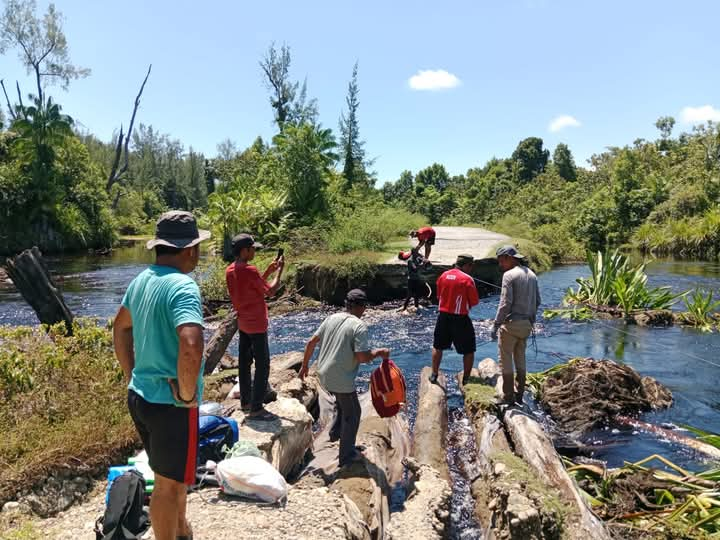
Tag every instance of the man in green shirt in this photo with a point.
(158, 338)
(343, 340)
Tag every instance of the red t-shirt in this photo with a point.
(425, 233)
(456, 292)
(247, 291)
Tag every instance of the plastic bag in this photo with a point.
(242, 448)
(235, 392)
(253, 477)
(210, 408)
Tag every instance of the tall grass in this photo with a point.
(690, 237)
(370, 229)
(55, 391)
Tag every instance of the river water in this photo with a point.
(685, 360)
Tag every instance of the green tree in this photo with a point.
(435, 175)
(353, 153)
(665, 124)
(41, 44)
(633, 201)
(564, 162)
(530, 158)
(302, 159)
(41, 130)
(287, 98)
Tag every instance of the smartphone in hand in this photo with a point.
(280, 253)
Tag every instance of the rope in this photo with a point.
(534, 343)
(689, 355)
(487, 283)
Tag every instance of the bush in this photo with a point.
(371, 228)
(561, 244)
(55, 390)
(536, 254)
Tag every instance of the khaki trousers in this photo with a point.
(512, 340)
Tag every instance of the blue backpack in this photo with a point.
(215, 432)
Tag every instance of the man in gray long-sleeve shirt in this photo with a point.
(519, 302)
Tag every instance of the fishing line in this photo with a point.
(689, 355)
(534, 343)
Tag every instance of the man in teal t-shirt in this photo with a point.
(158, 336)
(343, 340)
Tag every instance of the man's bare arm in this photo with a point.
(123, 341)
(309, 351)
(189, 359)
(364, 357)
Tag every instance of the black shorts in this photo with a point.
(416, 288)
(430, 241)
(456, 330)
(169, 435)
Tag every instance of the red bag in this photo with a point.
(387, 389)
(404, 255)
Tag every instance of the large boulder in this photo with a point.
(285, 440)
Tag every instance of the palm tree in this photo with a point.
(41, 129)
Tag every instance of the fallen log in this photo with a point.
(218, 344)
(431, 424)
(368, 481)
(538, 456)
(426, 511)
(32, 278)
(671, 435)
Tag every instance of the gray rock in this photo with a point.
(11, 506)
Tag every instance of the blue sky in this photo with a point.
(613, 67)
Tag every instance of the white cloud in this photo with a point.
(433, 79)
(699, 115)
(563, 121)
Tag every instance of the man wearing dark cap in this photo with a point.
(343, 340)
(519, 302)
(158, 337)
(457, 294)
(248, 290)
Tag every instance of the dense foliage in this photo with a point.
(661, 196)
(57, 190)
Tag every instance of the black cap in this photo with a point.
(509, 251)
(244, 240)
(356, 296)
(178, 229)
(464, 259)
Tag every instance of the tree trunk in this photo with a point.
(431, 424)
(32, 278)
(220, 340)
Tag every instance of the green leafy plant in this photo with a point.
(614, 282)
(701, 310)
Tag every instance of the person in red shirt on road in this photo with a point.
(457, 294)
(426, 237)
(248, 290)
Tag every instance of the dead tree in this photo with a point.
(32, 278)
(220, 340)
(123, 141)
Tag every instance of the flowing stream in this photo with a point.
(685, 360)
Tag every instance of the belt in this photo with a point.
(514, 317)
